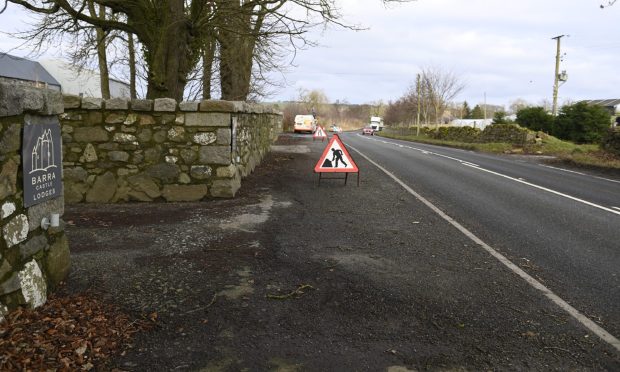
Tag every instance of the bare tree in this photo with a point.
(440, 87)
(173, 32)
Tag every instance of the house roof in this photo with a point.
(603, 102)
(24, 69)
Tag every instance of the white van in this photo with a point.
(305, 123)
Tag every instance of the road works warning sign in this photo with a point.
(319, 133)
(336, 159)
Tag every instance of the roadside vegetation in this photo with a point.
(579, 136)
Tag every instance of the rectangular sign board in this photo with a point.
(41, 159)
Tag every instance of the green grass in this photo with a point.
(565, 152)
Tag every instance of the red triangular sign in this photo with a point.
(336, 158)
(319, 133)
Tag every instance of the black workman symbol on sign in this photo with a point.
(337, 156)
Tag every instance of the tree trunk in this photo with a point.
(208, 55)
(104, 75)
(132, 66)
(237, 38)
(169, 52)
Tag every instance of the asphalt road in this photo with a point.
(561, 227)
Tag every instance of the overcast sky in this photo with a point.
(502, 48)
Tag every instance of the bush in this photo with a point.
(611, 141)
(458, 134)
(509, 133)
(582, 123)
(535, 118)
(500, 118)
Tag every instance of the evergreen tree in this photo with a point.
(477, 113)
(466, 111)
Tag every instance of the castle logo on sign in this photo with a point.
(41, 154)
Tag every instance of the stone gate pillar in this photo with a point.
(33, 259)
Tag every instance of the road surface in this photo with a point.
(560, 226)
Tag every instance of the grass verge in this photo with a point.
(585, 156)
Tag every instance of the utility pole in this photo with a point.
(417, 132)
(485, 108)
(556, 81)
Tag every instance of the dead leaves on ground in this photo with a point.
(73, 332)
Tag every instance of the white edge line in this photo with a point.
(580, 173)
(547, 190)
(585, 321)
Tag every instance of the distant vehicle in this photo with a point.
(305, 123)
(376, 123)
(368, 130)
(334, 128)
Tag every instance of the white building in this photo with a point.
(85, 83)
(476, 123)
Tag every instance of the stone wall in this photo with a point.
(32, 260)
(144, 150)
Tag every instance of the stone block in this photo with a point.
(90, 154)
(94, 118)
(58, 260)
(75, 174)
(142, 105)
(152, 155)
(32, 246)
(33, 284)
(11, 284)
(180, 119)
(90, 103)
(200, 172)
(16, 231)
(144, 184)
(71, 101)
(176, 134)
(124, 138)
(205, 119)
(204, 138)
(176, 193)
(165, 105)
(164, 172)
(103, 189)
(11, 139)
(131, 119)
(166, 119)
(138, 196)
(74, 192)
(8, 208)
(90, 134)
(216, 106)
(225, 188)
(146, 120)
(5, 268)
(227, 172)
(160, 136)
(118, 156)
(145, 135)
(188, 106)
(214, 155)
(8, 179)
(117, 104)
(188, 155)
(115, 118)
(184, 178)
(224, 136)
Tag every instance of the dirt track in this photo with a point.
(387, 284)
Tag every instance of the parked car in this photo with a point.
(368, 130)
(334, 128)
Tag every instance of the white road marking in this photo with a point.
(616, 208)
(585, 321)
(520, 180)
(549, 190)
(579, 173)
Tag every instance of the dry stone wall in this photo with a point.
(145, 150)
(32, 260)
